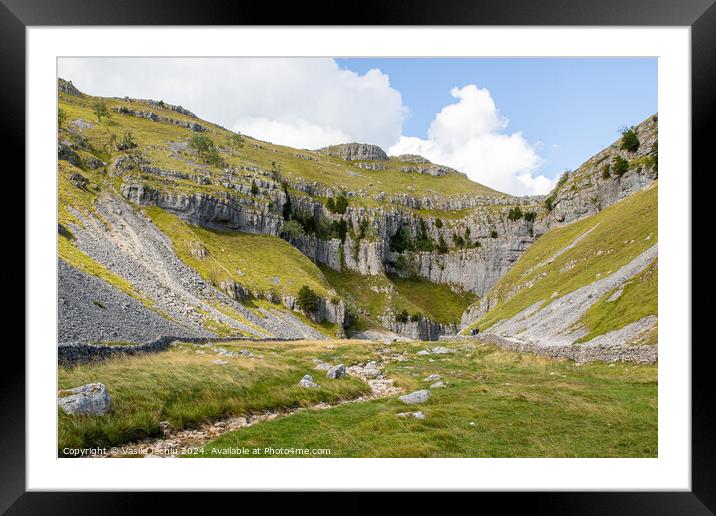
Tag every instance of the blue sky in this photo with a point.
(577, 105)
(511, 124)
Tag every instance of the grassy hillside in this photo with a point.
(165, 144)
(261, 263)
(496, 404)
(567, 258)
(374, 294)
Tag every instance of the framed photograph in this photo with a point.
(433, 250)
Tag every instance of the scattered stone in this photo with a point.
(442, 351)
(438, 385)
(323, 366)
(416, 397)
(423, 352)
(90, 399)
(307, 382)
(246, 353)
(472, 423)
(372, 372)
(416, 415)
(432, 378)
(336, 372)
(220, 362)
(165, 427)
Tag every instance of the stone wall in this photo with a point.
(73, 353)
(577, 353)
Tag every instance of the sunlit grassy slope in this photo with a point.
(567, 258)
(260, 262)
(162, 143)
(374, 294)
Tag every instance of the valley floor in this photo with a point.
(495, 403)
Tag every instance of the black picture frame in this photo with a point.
(700, 15)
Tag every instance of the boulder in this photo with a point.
(336, 372)
(441, 350)
(91, 399)
(416, 397)
(432, 378)
(438, 385)
(307, 382)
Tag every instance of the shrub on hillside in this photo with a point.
(606, 173)
(515, 213)
(61, 118)
(442, 246)
(415, 318)
(629, 140)
(530, 216)
(292, 230)
(402, 317)
(401, 241)
(127, 142)
(100, 110)
(236, 141)
(493, 234)
(204, 146)
(620, 166)
(307, 300)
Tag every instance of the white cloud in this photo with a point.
(470, 136)
(312, 102)
(298, 102)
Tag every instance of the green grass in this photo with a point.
(639, 299)
(187, 389)
(609, 240)
(521, 406)
(254, 261)
(438, 302)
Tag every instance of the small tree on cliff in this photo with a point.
(307, 299)
(100, 110)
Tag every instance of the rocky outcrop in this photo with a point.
(421, 329)
(151, 115)
(67, 87)
(597, 184)
(355, 152)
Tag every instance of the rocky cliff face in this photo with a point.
(355, 152)
(422, 329)
(599, 183)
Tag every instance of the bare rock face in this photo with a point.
(355, 152)
(91, 399)
(413, 158)
(67, 87)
